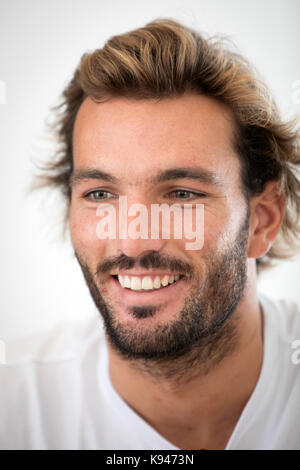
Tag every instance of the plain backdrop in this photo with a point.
(41, 42)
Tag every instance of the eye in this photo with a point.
(185, 194)
(98, 195)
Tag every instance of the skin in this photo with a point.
(131, 140)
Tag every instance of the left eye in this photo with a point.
(97, 195)
(185, 194)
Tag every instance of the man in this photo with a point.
(190, 357)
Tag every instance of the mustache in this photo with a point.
(149, 260)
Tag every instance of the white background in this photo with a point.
(41, 42)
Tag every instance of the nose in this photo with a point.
(138, 230)
(136, 237)
(139, 247)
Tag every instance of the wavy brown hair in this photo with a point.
(166, 59)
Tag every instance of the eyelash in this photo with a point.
(196, 194)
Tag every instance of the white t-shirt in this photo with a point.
(56, 393)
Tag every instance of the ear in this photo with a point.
(266, 214)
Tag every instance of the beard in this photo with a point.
(204, 331)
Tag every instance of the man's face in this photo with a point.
(133, 142)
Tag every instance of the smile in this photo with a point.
(146, 283)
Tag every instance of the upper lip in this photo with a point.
(144, 273)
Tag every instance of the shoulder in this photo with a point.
(63, 342)
(283, 315)
(51, 363)
(282, 341)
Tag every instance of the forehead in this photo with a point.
(133, 138)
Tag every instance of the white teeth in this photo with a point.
(127, 282)
(136, 283)
(146, 283)
(156, 283)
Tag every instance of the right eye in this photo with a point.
(98, 195)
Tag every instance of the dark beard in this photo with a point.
(205, 330)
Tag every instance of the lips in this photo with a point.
(143, 297)
(142, 283)
(167, 298)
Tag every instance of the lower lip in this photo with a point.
(143, 297)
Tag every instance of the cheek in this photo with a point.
(83, 233)
(217, 233)
(214, 231)
(221, 231)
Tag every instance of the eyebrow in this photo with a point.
(191, 173)
(90, 174)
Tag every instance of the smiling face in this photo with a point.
(168, 299)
